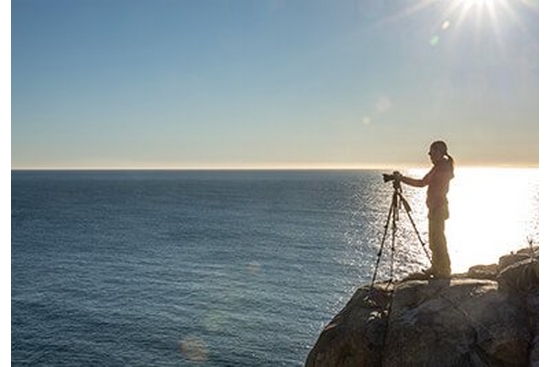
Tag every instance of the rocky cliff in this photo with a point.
(486, 317)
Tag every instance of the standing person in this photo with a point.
(437, 181)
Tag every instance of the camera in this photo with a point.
(395, 176)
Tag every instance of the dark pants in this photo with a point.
(441, 263)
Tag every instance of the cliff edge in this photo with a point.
(486, 317)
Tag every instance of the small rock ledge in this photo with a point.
(486, 317)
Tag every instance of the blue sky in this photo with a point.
(276, 83)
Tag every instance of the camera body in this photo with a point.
(395, 176)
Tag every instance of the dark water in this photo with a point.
(213, 268)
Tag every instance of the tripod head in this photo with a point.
(395, 178)
(397, 186)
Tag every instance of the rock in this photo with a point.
(532, 308)
(486, 317)
(534, 357)
(512, 258)
(507, 260)
(483, 272)
(520, 277)
(355, 337)
(462, 322)
(532, 251)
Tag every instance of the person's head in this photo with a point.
(439, 151)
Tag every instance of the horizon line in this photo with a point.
(269, 168)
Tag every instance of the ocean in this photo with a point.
(221, 268)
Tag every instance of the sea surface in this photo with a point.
(224, 268)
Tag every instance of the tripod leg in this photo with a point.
(408, 211)
(379, 255)
(393, 233)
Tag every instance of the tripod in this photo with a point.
(397, 201)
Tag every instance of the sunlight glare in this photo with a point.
(478, 3)
(492, 212)
(479, 7)
(491, 9)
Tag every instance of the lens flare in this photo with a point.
(254, 268)
(434, 41)
(215, 320)
(383, 104)
(194, 349)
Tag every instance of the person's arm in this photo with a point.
(416, 182)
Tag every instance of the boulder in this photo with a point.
(486, 317)
(462, 322)
(483, 272)
(532, 308)
(520, 277)
(515, 257)
(355, 337)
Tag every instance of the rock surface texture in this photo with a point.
(486, 317)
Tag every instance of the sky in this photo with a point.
(273, 84)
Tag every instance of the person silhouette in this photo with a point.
(437, 180)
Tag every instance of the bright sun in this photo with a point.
(480, 6)
(483, 15)
(470, 3)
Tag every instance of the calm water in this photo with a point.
(212, 268)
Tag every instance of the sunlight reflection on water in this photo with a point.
(493, 211)
(365, 235)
